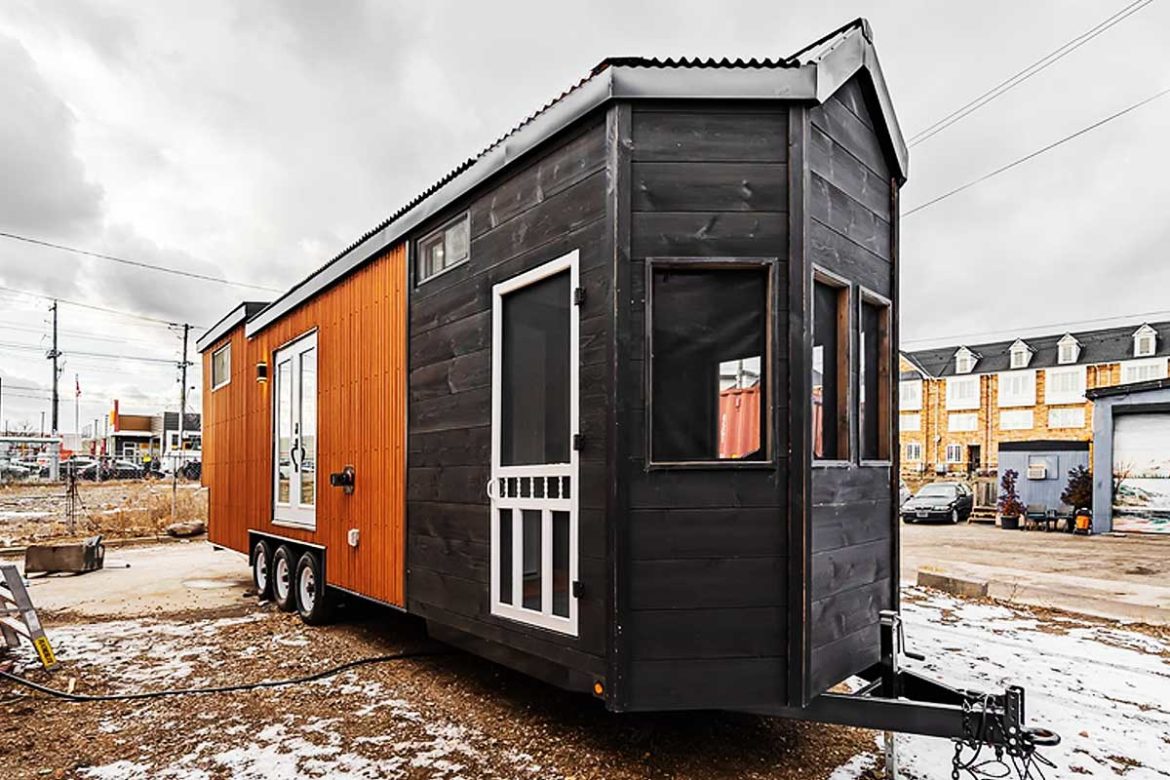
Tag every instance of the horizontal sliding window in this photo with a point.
(709, 378)
(448, 246)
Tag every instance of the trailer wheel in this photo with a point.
(283, 574)
(262, 569)
(312, 599)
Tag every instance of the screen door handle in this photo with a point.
(488, 489)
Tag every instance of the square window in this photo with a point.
(1064, 385)
(830, 370)
(448, 246)
(709, 383)
(963, 392)
(221, 366)
(1017, 388)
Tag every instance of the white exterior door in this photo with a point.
(533, 486)
(294, 423)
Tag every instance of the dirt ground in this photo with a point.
(37, 511)
(446, 716)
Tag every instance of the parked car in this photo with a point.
(12, 470)
(76, 464)
(114, 469)
(948, 501)
(904, 493)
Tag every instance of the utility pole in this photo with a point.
(182, 418)
(55, 462)
(2, 403)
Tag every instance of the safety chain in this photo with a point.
(1022, 761)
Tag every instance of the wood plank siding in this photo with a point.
(542, 210)
(853, 527)
(703, 621)
(361, 347)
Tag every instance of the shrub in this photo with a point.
(1079, 492)
(1009, 499)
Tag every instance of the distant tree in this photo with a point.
(1121, 472)
(1078, 493)
(1009, 498)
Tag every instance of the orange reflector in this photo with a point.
(598, 688)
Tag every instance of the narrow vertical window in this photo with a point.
(830, 371)
(709, 332)
(284, 430)
(873, 403)
(221, 366)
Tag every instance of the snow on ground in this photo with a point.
(1104, 689)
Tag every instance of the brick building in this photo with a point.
(959, 403)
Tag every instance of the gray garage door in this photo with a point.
(1141, 469)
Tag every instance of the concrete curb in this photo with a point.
(957, 586)
(135, 541)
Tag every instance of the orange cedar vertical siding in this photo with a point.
(361, 342)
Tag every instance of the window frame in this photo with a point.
(973, 379)
(1055, 371)
(227, 347)
(1064, 410)
(914, 405)
(974, 415)
(767, 373)
(1019, 411)
(885, 385)
(1141, 335)
(845, 392)
(1069, 343)
(1014, 401)
(1126, 365)
(440, 231)
(917, 446)
(958, 447)
(967, 366)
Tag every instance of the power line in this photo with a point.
(95, 307)
(1063, 325)
(1037, 153)
(78, 353)
(134, 263)
(1027, 73)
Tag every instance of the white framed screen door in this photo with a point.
(294, 423)
(533, 486)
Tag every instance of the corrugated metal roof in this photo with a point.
(1104, 345)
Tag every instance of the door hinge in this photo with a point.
(578, 441)
(578, 589)
(579, 296)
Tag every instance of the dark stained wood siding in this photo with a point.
(703, 619)
(551, 206)
(852, 517)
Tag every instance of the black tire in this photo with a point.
(312, 596)
(261, 569)
(283, 578)
(907, 520)
(954, 517)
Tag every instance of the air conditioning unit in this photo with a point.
(1037, 471)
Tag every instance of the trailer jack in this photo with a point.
(895, 699)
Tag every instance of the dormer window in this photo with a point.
(1145, 342)
(1021, 355)
(964, 361)
(1068, 350)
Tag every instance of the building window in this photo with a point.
(1016, 420)
(1068, 350)
(830, 370)
(965, 421)
(1143, 370)
(1021, 355)
(910, 395)
(964, 361)
(913, 451)
(445, 248)
(1070, 417)
(708, 364)
(1017, 388)
(221, 366)
(954, 453)
(910, 422)
(1064, 385)
(1145, 342)
(873, 395)
(963, 392)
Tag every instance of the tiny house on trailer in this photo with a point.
(611, 403)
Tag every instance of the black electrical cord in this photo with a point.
(330, 672)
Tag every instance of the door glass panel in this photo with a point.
(307, 457)
(284, 412)
(531, 558)
(505, 572)
(535, 374)
(560, 563)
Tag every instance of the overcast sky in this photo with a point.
(253, 140)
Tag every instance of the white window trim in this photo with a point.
(225, 348)
(1022, 351)
(958, 450)
(545, 618)
(420, 279)
(913, 428)
(1028, 398)
(913, 451)
(1010, 414)
(964, 361)
(954, 405)
(1050, 374)
(1143, 333)
(1071, 344)
(294, 514)
(915, 402)
(1058, 412)
(965, 417)
(1158, 362)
